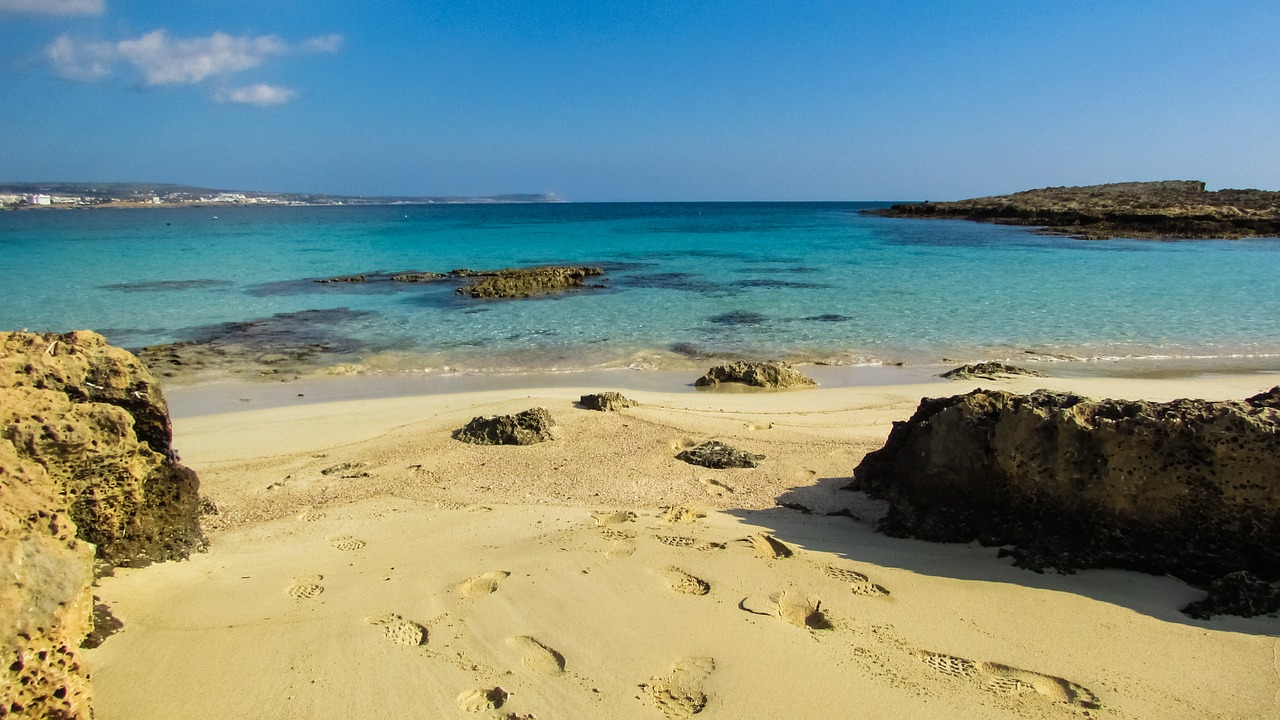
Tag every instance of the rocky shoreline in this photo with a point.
(1165, 210)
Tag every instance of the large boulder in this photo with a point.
(1190, 487)
(609, 401)
(524, 428)
(757, 374)
(527, 282)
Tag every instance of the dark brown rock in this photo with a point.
(606, 401)
(988, 371)
(1172, 209)
(525, 282)
(1238, 593)
(524, 428)
(757, 374)
(343, 279)
(415, 277)
(717, 455)
(1190, 487)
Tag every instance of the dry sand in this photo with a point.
(364, 564)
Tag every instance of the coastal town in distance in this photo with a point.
(22, 196)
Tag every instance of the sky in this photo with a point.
(640, 100)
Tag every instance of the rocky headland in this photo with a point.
(1166, 210)
(89, 473)
(1189, 488)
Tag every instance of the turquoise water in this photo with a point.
(805, 281)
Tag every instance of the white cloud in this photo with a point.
(54, 7)
(260, 94)
(171, 61)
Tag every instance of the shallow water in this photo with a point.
(685, 282)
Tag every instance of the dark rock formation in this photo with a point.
(717, 455)
(1190, 487)
(85, 457)
(1173, 209)
(526, 282)
(524, 428)
(758, 374)
(988, 371)
(606, 401)
(415, 277)
(343, 279)
(1238, 593)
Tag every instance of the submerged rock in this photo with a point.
(85, 459)
(717, 455)
(525, 282)
(988, 371)
(757, 374)
(524, 428)
(1190, 487)
(606, 401)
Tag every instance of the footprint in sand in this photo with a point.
(311, 516)
(400, 631)
(769, 547)
(796, 608)
(306, 587)
(347, 543)
(684, 583)
(482, 584)
(537, 657)
(621, 549)
(483, 699)
(687, 542)
(680, 693)
(614, 517)
(860, 584)
(1008, 680)
(679, 514)
(715, 487)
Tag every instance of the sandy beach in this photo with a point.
(363, 563)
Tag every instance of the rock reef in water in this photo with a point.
(1171, 209)
(85, 457)
(524, 428)
(757, 374)
(606, 401)
(1189, 488)
(718, 456)
(528, 282)
(988, 371)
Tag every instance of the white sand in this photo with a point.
(441, 569)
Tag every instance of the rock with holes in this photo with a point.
(757, 374)
(526, 282)
(717, 455)
(1190, 487)
(988, 371)
(524, 428)
(606, 401)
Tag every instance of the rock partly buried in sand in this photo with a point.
(757, 374)
(606, 401)
(718, 456)
(1189, 487)
(988, 371)
(95, 419)
(524, 428)
(528, 282)
(1238, 593)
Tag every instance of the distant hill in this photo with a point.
(91, 194)
(1170, 209)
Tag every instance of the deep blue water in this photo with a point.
(797, 280)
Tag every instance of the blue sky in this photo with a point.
(642, 100)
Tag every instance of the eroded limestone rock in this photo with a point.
(718, 455)
(1190, 487)
(992, 370)
(757, 374)
(526, 282)
(609, 401)
(524, 428)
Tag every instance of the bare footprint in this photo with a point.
(347, 543)
(483, 699)
(681, 514)
(681, 693)
(537, 657)
(482, 584)
(614, 517)
(400, 631)
(306, 587)
(684, 583)
(769, 547)
(860, 584)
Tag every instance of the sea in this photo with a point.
(684, 284)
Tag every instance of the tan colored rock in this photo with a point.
(758, 374)
(527, 282)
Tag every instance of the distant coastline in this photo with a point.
(1165, 210)
(67, 196)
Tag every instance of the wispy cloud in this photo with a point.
(54, 7)
(164, 60)
(260, 94)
